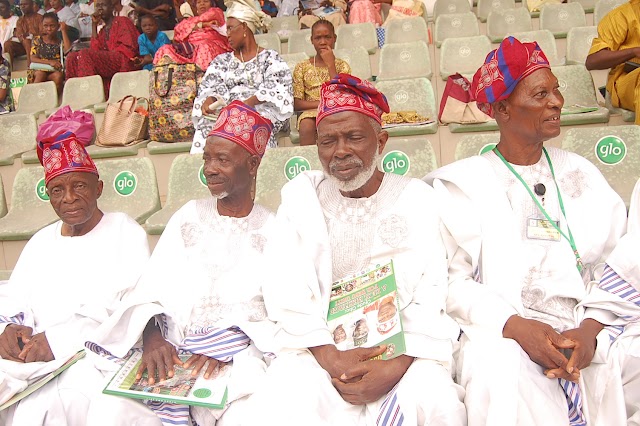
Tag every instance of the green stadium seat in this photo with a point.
(157, 148)
(455, 25)
(358, 59)
(503, 22)
(284, 26)
(475, 144)
(603, 7)
(560, 18)
(547, 43)
(268, 41)
(489, 126)
(614, 150)
(587, 5)
(408, 157)
(123, 84)
(36, 98)
(442, 7)
(463, 55)
(300, 42)
(576, 85)
(414, 94)
(5, 275)
(81, 93)
(404, 60)
(406, 30)
(17, 135)
(185, 184)
(578, 44)
(3, 200)
(485, 7)
(352, 35)
(130, 186)
(30, 207)
(294, 134)
(292, 59)
(278, 167)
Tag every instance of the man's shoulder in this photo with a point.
(461, 169)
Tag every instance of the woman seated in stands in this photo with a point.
(46, 59)
(197, 40)
(402, 9)
(361, 11)
(256, 76)
(333, 11)
(309, 75)
(113, 49)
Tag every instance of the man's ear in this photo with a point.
(383, 137)
(253, 162)
(501, 109)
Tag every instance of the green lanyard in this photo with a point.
(542, 209)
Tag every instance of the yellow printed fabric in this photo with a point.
(307, 80)
(620, 29)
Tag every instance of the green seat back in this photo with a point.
(546, 41)
(37, 97)
(408, 157)
(283, 26)
(560, 18)
(464, 55)
(300, 42)
(579, 41)
(587, 5)
(503, 22)
(442, 7)
(83, 92)
(475, 143)
(455, 25)
(17, 135)
(407, 30)
(404, 60)
(292, 59)
(358, 60)
(268, 41)
(134, 83)
(352, 35)
(410, 95)
(485, 7)
(603, 7)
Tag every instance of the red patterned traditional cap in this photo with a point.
(240, 123)
(503, 69)
(64, 154)
(348, 93)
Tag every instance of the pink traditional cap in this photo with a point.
(348, 93)
(240, 123)
(64, 154)
(503, 69)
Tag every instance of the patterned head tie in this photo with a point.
(503, 69)
(64, 154)
(242, 124)
(348, 93)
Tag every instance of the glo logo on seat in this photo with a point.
(396, 162)
(610, 150)
(41, 190)
(294, 166)
(125, 183)
(203, 180)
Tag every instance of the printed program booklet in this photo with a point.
(364, 312)
(182, 388)
(41, 381)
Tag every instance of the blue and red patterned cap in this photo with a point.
(348, 93)
(240, 123)
(64, 154)
(503, 69)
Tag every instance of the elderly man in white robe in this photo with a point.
(205, 276)
(335, 223)
(525, 228)
(70, 277)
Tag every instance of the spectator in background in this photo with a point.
(7, 22)
(365, 11)
(150, 41)
(6, 101)
(401, 9)
(45, 50)
(163, 10)
(66, 16)
(186, 10)
(113, 48)
(269, 8)
(75, 8)
(27, 27)
(125, 10)
(84, 19)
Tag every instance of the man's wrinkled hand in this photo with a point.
(337, 362)
(199, 362)
(36, 349)
(11, 341)
(158, 358)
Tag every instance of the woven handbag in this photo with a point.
(123, 125)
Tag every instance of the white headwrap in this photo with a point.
(246, 11)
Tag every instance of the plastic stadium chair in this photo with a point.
(404, 60)
(352, 35)
(501, 23)
(185, 183)
(587, 5)
(358, 60)
(292, 59)
(123, 84)
(560, 18)
(3, 200)
(268, 41)
(463, 55)
(278, 167)
(547, 43)
(579, 41)
(408, 157)
(603, 7)
(476, 144)
(442, 7)
(576, 85)
(414, 94)
(17, 135)
(30, 207)
(130, 186)
(455, 25)
(406, 30)
(36, 98)
(614, 150)
(169, 34)
(300, 42)
(81, 93)
(487, 6)
(283, 26)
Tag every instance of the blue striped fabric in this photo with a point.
(17, 319)
(574, 401)
(390, 411)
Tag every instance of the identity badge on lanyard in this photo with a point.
(545, 228)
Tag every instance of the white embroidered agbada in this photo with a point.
(486, 211)
(324, 237)
(207, 270)
(67, 287)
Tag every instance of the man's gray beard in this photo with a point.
(359, 180)
(220, 196)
